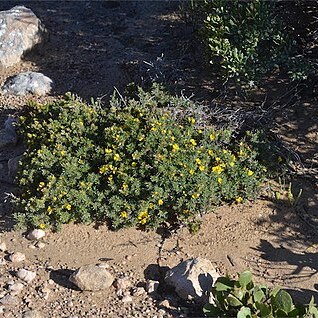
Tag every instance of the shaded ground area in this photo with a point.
(96, 45)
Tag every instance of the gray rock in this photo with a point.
(36, 234)
(20, 31)
(9, 300)
(193, 279)
(92, 278)
(28, 83)
(7, 139)
(25, 275)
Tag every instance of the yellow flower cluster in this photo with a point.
(143, 217)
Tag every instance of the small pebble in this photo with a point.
(152, 286)
(35, 235)
(40, 245)
(26, 275)
(17, 257)
(3, 246)
(127, 299)
(16, 288)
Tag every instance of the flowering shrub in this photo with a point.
(135, 163)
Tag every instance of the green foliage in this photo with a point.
(247, 39)
(243, 299)
(139, 162)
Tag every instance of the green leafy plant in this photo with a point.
(243, 298)
(142, 161)
(247, 39)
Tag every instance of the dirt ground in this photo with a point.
(93, 47)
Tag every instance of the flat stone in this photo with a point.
(92, 278)
(17, 257)
(9, 300)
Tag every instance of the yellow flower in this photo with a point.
(212, 136)
(210, 152)
(124, 214)
(200, 131)
(217, 169)
(63, 153)
(239, 200)
(110, 178)
(191, 120)
(201, 168)
(160, 202)
(49, 209)
(125, 186)
(41, 184)
(191, 172)
(220, 180)
(232, 164)
(68, 207)
(172, 138)
(217, 159)
(143, 217)
(195, 195)
(250, 173)
(42, 226)
(117, 157)
(103, 169)
(193, 142)
(134, 164)
(108, 151)
(198, 161)
(175, 147)
(155, 193)
(80, 161)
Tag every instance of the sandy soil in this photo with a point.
(94, 46)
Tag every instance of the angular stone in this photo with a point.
(92, 278)
(36, 234)
(32, 314)
(193, 279)
(3, 246)
(152, 286)
(20, 31)
(17, 257)
(25, 275)
(28, 83)
(15, 288)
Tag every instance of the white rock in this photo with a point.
(92, 278)
(20, 30)
(15, 288)
(3, 246)
(26, 275)
(152, 286)
(127, 299)
(193, 279)
(28, 83)
(17, 257)
(36, 234)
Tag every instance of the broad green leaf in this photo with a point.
(283, 301)
(275, 291)
(223, 284)
(233, 301)
(265, 310)
(258, 294)
(244, 312)
(245, 278)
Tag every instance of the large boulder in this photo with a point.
(28, 83)
(20, 31)
(192, 279)
(92, 278)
